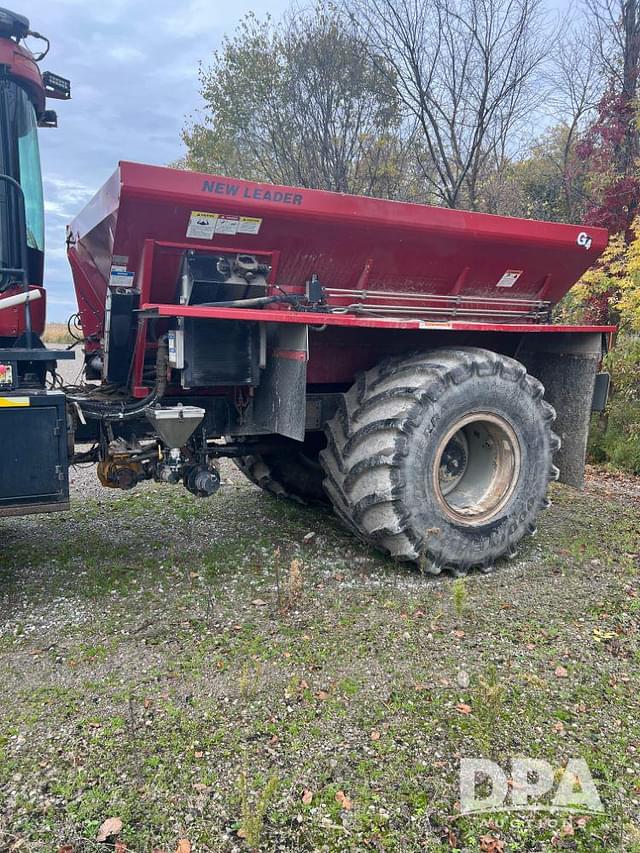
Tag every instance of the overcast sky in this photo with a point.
(133, 71)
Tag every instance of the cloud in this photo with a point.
(133, 68)
(70, 189)
(126, 53)
(54, 300)
(192, 19)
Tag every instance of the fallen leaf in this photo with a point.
(599, 635)
(184, 846)
(322, 695)
(344, 801)
(459, 633)
(561, 672)
(491, 844)
(463, 708)
(259, 602)
(375, 735)
(111, 826)
(307, 796)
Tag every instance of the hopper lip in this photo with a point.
(357, 209)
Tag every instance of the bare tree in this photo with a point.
(466, 72)
(576, 84)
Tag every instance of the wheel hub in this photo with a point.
(476, 468)
(454, 462)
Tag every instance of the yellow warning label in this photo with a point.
(14, 402)
(202, 225)
(249, 225)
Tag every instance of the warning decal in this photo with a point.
(227, 224)
(203, 226)
(509, 278)
(249, 225)
(120, 277)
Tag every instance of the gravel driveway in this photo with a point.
(241, 673)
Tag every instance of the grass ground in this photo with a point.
(162, 662)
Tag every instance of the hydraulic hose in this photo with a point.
(256, 302)
(126, 411)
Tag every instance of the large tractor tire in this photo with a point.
(291, 470)
(442, 458)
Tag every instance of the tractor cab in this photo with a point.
(23, 94)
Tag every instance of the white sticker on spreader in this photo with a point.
(227, 224)
(202, 226)
(121, 278)
(249, 225)
(509, 278)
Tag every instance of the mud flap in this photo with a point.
(566, 364)
(279, 402)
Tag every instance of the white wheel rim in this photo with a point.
(476, 468)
